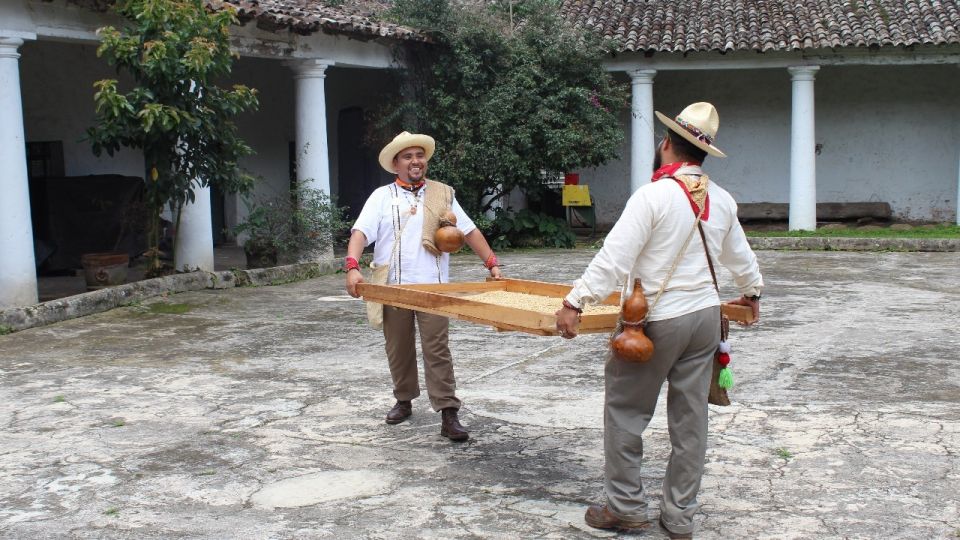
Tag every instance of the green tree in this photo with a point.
(176, 114)
(511, 93)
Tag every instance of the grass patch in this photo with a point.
(4, 330)
(118, 423)
(59, 399)
(783, 453)
(113, 511)
(208, 473)
(923, 231)
(170, 309)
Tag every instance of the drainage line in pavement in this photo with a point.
(511, 364)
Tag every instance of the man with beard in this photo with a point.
(401, 218)
(660, 220)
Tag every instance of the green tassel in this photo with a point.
(725, 380)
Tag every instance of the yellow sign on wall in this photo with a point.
(576, 195)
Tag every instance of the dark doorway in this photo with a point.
(359, 173)
(218, 203)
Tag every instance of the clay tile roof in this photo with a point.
(358, 18)
(682, 26)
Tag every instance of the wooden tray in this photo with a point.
(447, 299)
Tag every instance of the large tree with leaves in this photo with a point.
(510, 92)
(176, 114)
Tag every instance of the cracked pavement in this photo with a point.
(258, 413)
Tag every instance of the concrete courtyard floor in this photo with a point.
(258, 413)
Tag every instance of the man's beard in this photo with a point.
(657, 159)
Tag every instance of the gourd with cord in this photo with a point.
(632, 344)
(448, 238)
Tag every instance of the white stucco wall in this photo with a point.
(889, 133)
(268, 130)
(56, 82)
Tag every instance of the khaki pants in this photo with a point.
(683, 356)
(398, 329)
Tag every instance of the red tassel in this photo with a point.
(723, 358)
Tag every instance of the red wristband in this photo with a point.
(491, 261)
(349, 263)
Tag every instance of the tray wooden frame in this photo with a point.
(447, 299)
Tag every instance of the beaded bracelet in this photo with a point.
(567, 304)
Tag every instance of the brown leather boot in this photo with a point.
(450, 425)
(599, 517)
(400, 412)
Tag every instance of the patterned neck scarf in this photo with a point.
(694, 185)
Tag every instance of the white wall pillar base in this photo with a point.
(803, 157)
(642, 143)
(18, 273)
(313, 163)
(194, 246)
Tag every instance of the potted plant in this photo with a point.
(291, 226)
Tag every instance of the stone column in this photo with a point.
(194, 250)
(18, 273)
(313, 163)
(803, 158)
(642, 143)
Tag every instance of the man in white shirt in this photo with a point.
(684, 323)
(394, 218)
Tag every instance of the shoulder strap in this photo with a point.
(724, 322)
(706, 250)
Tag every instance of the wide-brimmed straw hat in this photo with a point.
(698, 123)
(403, 141)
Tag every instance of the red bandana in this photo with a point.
(408, 185)
(668, 170)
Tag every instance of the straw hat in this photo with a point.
(401, 142)
(698, 123)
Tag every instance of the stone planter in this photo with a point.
(260, 258)
(104, 269)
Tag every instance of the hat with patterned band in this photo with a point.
(698, 123)
(403, 141)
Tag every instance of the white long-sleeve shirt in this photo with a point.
(646, 239)
(385, 212)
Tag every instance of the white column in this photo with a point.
(313, 164)
(18, 273)
(642, 143)
(194, 249)
(803, 157)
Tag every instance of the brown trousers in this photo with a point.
(398, 329)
